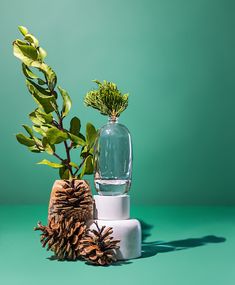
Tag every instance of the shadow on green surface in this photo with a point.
(152, 248)
(118, 263)
(145, 229)
(55, 258)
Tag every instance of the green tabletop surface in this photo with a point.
(181, 245)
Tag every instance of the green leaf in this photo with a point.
(50, 149)
(23, 30)
(73, 164)
(76, 137)
(42, 53)
(42, 97)
(51, 164)
(27, 72)
(34, 149)
(42, 91)
(41, 82)
(26, 53)
(97, 82)
(86, 150)
(56, 136)
(43, 117)
(75, 126)
(39, 130)
(22, 139)
(91, 134)
(50, 75)
(38, 143)
(28, 130)
(77, 141)
(34, 118)
(67, 103)
(82, 137)
(107, 98)
(87, 166)
(45, 127)
(64, 173)
(32, 40)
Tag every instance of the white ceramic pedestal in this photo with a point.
(114, 211)
(112, 207)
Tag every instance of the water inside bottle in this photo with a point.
(112, 187)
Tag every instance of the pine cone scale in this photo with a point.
(73, 198)
(97, 246)
(71, 207)
(63, 237)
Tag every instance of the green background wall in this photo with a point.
(175, 58)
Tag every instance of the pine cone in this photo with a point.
(62, 237)
(74, 199)
(98, 246)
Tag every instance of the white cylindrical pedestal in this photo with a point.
(114, 211)
(129, 234)
(112, 207)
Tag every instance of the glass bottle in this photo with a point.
(113, 159)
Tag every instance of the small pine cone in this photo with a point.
(98, 247)
(62, 237)
(73, 199)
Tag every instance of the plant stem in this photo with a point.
(67, 149)
(71, 145)
(81, 164)
(59, 125)
(68, 156)
(56, 155)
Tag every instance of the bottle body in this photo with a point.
(113, 159)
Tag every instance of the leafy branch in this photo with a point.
(107, 99)
(48, 117)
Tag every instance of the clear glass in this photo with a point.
(113, 159)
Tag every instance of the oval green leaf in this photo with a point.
(22, 139)
(67, 102)
(73, 164)
(42, 97)
(91, 134)
(42, 53)
(87, 166)
(64, 173)
(32, 40)
(28, 130)
(56, 136)
(50, 149)
(26, 53)
(51, 164)
(77, 141)
(28, 73)
(23, 30)
(75, 126)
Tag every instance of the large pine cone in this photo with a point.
(62, 237)
(98, 247)
(71, 198)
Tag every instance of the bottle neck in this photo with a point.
(113, 120)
